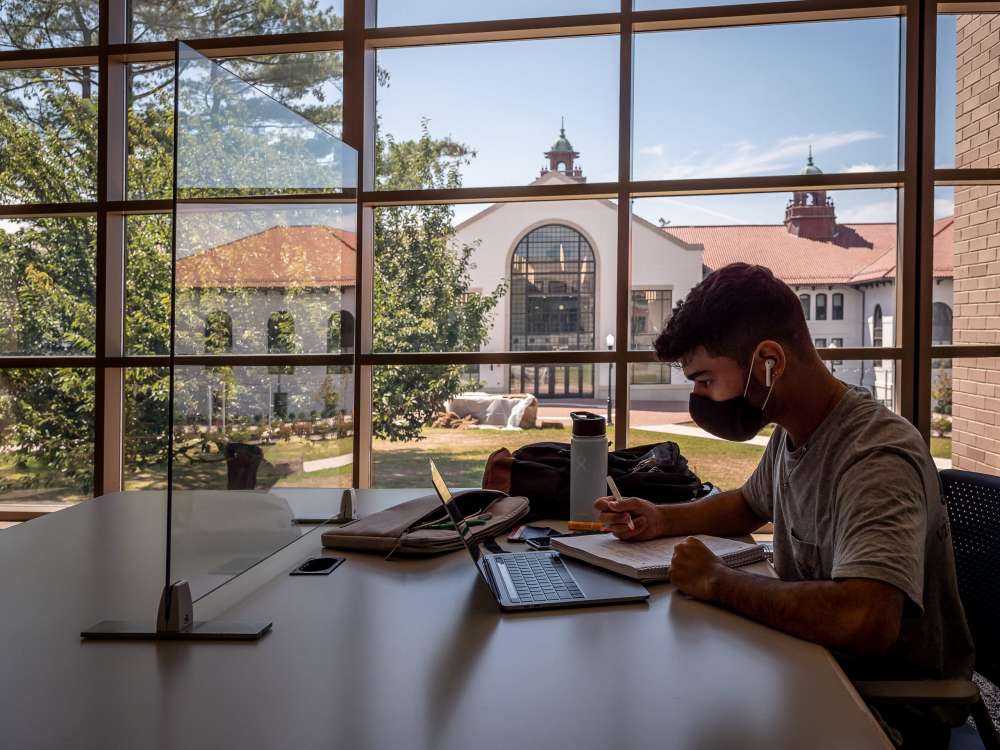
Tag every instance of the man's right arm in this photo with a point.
(725, 514)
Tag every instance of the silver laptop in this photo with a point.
(536, 580)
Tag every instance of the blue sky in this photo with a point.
(708, 103)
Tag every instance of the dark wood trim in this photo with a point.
(146, 206)
(514, 193)
(768, 184)
(949, 177)
(984, 6)
(492, 31)
(924, 269)
(485, 358)
(344, 197)
(626, 43)
(30, 362)
(237, 46)
(56, 57)
(47, 210)
(750, 14)
(965, 351)
(907, 281)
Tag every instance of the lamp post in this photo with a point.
(611, 345)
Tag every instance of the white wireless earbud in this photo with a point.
(768, 366)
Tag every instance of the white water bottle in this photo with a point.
(588, 473)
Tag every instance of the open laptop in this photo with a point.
(535, 580)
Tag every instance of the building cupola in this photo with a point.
(810, 214)
(562, 158)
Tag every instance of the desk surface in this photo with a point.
(379, 654)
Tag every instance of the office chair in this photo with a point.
(973, 503)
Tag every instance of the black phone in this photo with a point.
(540, 542)
(527, 533)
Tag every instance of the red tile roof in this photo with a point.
(859, 253)
(303, 256)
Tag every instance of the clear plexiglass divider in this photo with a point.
(259, 454)
(257, 451)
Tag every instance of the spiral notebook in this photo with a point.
(649, 561)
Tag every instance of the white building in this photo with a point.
(292, 288)
(559, 258)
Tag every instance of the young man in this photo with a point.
(861, 541)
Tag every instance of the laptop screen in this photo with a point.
(454, 513)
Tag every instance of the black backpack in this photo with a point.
(540, 471)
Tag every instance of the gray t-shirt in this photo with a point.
(861, 499)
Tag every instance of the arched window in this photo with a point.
(340, 332)
(218, 332)
(806, 303)
(877, 330)
(838, 306)
(552, 280)
(820, 307)
(941, 324)
(281, 339)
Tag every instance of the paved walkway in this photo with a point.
(334, 462)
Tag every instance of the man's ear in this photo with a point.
(773, 352)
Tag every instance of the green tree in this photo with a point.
(422, 299)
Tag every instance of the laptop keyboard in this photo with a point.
(539, 577)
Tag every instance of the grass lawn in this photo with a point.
(461, 455)
(941, 447)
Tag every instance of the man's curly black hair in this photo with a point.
(731, 311)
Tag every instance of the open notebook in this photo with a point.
(649, 561)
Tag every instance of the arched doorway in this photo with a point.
(552, 280)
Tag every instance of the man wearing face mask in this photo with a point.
(861, 541)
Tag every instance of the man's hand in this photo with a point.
(645, 517)
(695, 569)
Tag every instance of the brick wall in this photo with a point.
(976, 382)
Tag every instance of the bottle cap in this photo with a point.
(586, 424)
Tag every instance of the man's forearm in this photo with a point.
(725, 514)
(858, 616)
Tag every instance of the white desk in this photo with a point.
(401, 655)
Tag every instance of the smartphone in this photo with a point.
(540, 542)
(527, 533)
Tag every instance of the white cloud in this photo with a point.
(943, 208)
(869, 167)
(656, 150)
(701, 209)
(746, 158)
(879, 211)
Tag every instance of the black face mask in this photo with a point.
(733, 419)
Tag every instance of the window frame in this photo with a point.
(358, 39)
(821, 309)
(837, 306)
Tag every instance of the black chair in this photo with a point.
(973, 503)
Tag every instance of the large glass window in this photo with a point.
(650, 311)
(48, 23)
(154, 20)
(48, 135)
(565, 92)
(522, 251)
(47, 286)
(46, 435)
(785, 94)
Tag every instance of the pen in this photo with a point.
(619, 499)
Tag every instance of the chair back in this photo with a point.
(973, 502)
